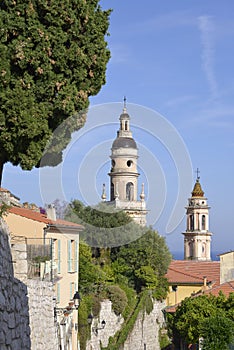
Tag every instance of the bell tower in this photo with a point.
(124, 174)
(197, 237)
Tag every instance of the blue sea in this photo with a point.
(180, 255)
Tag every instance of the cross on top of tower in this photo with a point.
(198, 172)
(125, 105)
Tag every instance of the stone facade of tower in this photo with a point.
(124, 174)
(197, 237)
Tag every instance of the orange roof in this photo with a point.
(37, 216)
(178, 277)
(226, 288)
(191, 269)
(4, 190)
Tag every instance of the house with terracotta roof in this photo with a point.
(58, 238)
(52, 255)
(186, 278)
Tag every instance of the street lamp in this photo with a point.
(95, 329)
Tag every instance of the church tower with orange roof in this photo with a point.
(197, 237)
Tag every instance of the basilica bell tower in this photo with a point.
(124, 174)
(197, 237)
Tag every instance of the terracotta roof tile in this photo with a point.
(200, 269)
(226, 288)
(37, 216)
(175, 276)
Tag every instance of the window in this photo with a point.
(191, 221)
(203, 222)
(73, 289)
(190, 249)
(76, 260)
(130, 191)
(203, 249)
(59, 255)
(72, 255)
(69, 256)
(112, 191)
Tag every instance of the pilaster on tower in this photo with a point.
(197, 237)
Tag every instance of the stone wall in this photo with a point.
(41, 315)
(14, 311)
(26, 305)
(145, 333)
(113, 324)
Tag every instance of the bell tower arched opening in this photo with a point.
(130, 191)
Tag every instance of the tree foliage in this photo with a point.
(144, 261)
(104, 225)
(53, 57)
(203, 317)
(217, 332)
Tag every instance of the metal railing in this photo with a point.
(40, 259)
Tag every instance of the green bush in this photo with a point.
(118, 298)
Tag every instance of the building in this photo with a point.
(124, 174)
(197, 237)
(197, 274)
(52, 255)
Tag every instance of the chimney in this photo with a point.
(50, 212)
(204, 282)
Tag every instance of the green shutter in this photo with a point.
(59, 256)
(76, 256)
(71, 291)
(69, 255)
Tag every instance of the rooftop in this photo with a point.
(40, 217)
(191, 271)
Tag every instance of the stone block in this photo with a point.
(11, 320)
(2, 337)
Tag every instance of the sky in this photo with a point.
(174, 62)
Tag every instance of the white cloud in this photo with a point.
(206, 28)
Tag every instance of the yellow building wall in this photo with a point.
(181, 293)
(66, 283)
(21, 226)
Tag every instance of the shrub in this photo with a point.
(118, 298)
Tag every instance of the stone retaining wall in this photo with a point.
(14, 311)
(26, 305)
(145, 333)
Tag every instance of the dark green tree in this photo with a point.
(144, 261)
(104, 225)
(203, 317)
(53, 57)
(217, 332)
(90, 275)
